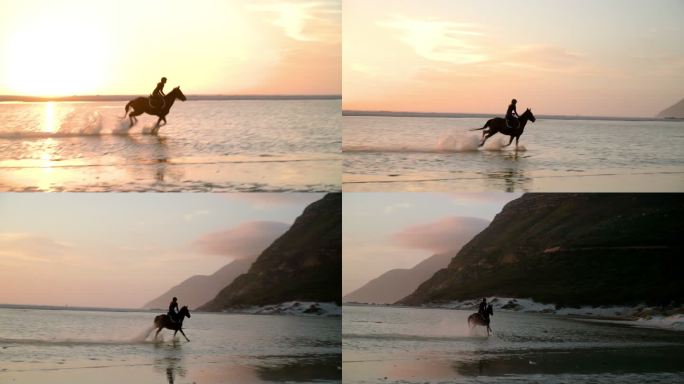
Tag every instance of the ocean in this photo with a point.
(410, 345)
(218, 145)
(440, 154)
(106, 346)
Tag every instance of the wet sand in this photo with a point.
(610, 180)
(177, 371)
(244, 174)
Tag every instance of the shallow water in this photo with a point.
(233, 145)
(223, 348)
(401, 153)
(408, 345)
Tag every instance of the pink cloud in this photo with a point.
(443, 235)
(244, 240)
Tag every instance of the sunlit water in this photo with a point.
(236, 145)
(408, 345)
(255, 348)
(402, 153)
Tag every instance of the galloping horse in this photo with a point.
(478, 319)
(142, 105)
(498, 125)
(163, 321)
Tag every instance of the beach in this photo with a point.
(208, 145)
(431, 345)
(110, 346)
(383, 153)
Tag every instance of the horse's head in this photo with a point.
(528, 115)
(184, 312)
(178, 94)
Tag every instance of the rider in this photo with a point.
(173, 309)
(482, 310)
(512, 114)
(157, 98)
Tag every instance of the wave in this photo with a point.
(454, 142)
(140, 338)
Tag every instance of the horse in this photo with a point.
(163, 321)
(142, 105)
(499, 125)
(478, 319)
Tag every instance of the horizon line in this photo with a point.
(208, 96)
(389, 113)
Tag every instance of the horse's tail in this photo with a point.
(479, 129)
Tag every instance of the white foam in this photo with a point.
(458, 142)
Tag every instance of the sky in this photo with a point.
(121, 250)
(383, 231)
(582, 57)
(68, 47)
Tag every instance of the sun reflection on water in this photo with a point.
(49, 123)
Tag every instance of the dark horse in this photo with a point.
(498, 125)
(163, 321)
(478, 319)
(142, 105)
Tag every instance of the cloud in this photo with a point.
(247, 239)
(443, 235)
(26, 247)
(543, 57)
(194, 214)
(270, 200)
(396, 207)
(304, 21)
(443, 41)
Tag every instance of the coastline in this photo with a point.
(640, 315)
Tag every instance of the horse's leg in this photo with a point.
(509, 142)
(157, 334)
(516, 141)
(186, 338)
(490, 134)
(175, 333)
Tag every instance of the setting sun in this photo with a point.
(56, 56)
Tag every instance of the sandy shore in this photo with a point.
(320, 174)
(176, 371)
(609, 180)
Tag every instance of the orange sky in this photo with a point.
(610, 58)
(67, 47)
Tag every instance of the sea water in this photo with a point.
(225, 145)
(425, 153)
(412, 345)
(55, 343)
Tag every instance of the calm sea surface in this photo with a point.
(411, 153)
(235, 145)
(255, 348)
(407, 345)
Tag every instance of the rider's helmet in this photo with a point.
(514, 101)
(175, 299)
(163, 79)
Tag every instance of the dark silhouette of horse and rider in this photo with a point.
(482, 317)
(512, 125)
(173, 319)
(157, 104)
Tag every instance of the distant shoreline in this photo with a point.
(17, 98)
(490, 115)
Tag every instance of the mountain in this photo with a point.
(199, 289)
(676, 111)
(571, 249)
(397, 283)
(305, 263)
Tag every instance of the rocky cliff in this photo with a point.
(571, 249)
(304, 264)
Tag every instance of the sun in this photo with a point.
(56, 57)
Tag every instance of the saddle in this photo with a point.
(512, 122)
(156, 102)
